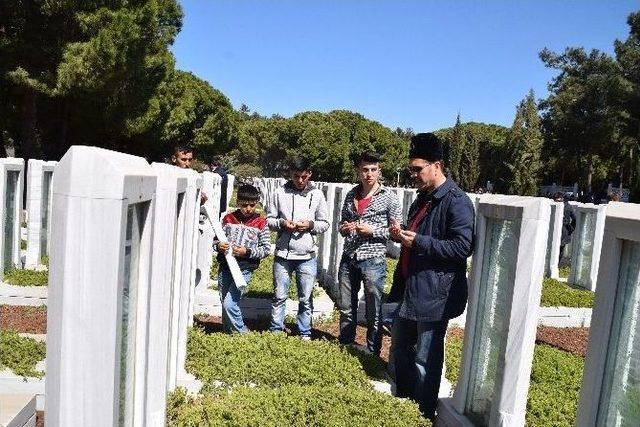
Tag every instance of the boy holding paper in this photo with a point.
(248, 240)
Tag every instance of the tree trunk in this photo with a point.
(61, 143)
(29, 134)
(590, 175)
(3, 150)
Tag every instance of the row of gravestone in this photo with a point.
(39, 181)
(123, 243)
(587, 238)
(116, 343)
(38, 205)
(504, 292)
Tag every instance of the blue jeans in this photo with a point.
(306, 270)
(371, 272)
(416, 359)
(230, 296)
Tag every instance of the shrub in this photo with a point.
(564, 271)
(272, 360)
(261, 284)
(21, 354)
(26, 277)
(293, 405)
(559, 294)
(391, 267)
(453, 357)
(555, 387)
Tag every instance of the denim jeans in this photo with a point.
(306, 270)
(416, 359)
(230, 296)
(371, 272)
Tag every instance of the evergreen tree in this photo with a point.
(470, 163)
(525, 142)
(457, 145)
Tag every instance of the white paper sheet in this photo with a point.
(231, 261)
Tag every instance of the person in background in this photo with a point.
(248, 240)
(298, 212)
(568, 224)
(216, 167)
(430, 281)
(182, 157)
(366, 214)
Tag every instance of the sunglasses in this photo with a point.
(248, 204)
(417, 169)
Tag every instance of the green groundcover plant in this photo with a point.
(26, 277)
(271, 360)
(559, 294)
(556, 376)
(294, 406)
(261, 283)
(20, 354)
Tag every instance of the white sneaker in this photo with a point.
(305, 337)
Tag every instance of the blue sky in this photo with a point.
(403, 63)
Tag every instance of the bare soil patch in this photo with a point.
(572, 340)
(24, 319)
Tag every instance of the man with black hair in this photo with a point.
(298, 212)
(367, 213)
(430, 281)
(182, 156)
(248, 239)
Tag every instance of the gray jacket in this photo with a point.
(289, 203)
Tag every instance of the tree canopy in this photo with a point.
(101, 73)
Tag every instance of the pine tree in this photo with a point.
(525, 141)
(470, 163)
(457, 145)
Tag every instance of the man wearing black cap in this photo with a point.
(430, 281)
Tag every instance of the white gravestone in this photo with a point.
(100, 271)
(337, 241)
(188, 276)
(211, 187)
(11, 182)
(166, 265)
(554, 240)
(39, 184)
(610, 392)
(504, 294)
(326, 239)
(586, 243)
(231, 179)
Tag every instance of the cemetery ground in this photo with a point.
(558, 360)
(261, 363)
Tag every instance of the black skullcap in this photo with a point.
(426, 146)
